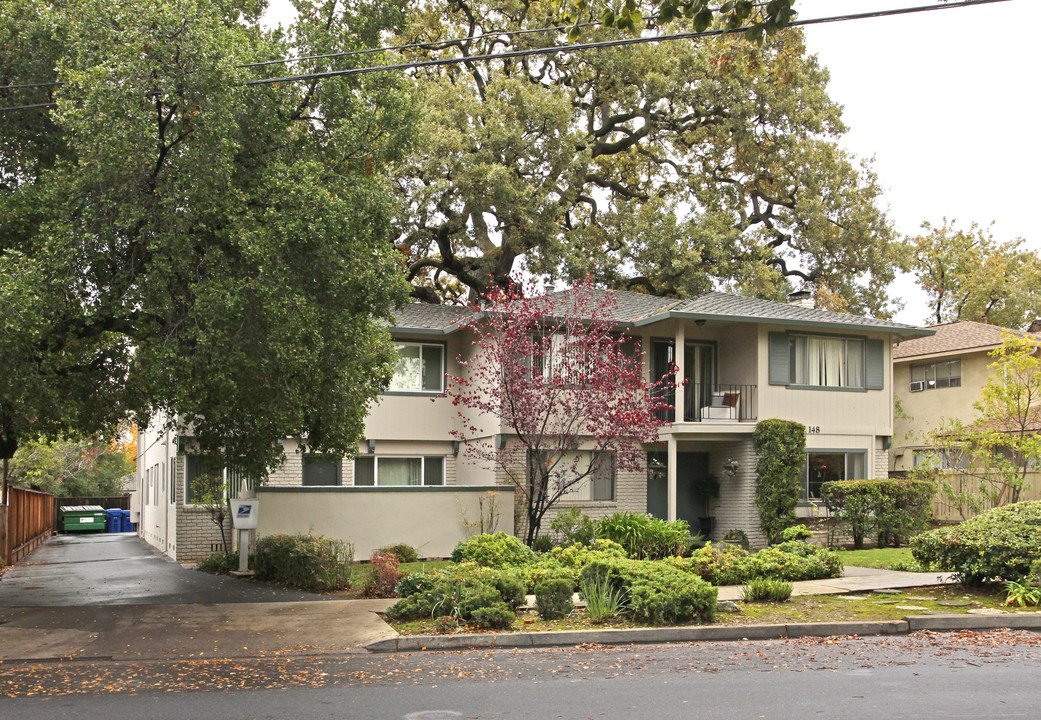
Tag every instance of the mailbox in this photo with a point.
(244, 514)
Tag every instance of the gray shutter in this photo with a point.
(875, 372)
(780, 369)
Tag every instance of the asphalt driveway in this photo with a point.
(122, 569)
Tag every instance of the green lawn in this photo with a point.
(882, 558)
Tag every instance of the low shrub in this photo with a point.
(738, 537)
(796, 532)
(566, 562)
(1022, 594)
(907, 566)
(643, 536)
(721, 565)
(313, 563)
(553, 599)
(494, 617)
(793, 560)
(657, 593)
(573, 527)
(441, 595)
(894, 509)
(220, 563)
(543, 544)
(497, 550)
(510, 587)
(1001, 544)
(384, 576)
(402, 551)
(767, 590)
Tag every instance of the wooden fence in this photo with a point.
(947, 512)
(27, 519)
(116, 501)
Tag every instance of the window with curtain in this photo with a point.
(827, 361)
(420, 368)
(384, 471)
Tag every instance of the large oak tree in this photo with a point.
(670, 167)
(171, 240)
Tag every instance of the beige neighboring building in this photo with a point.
(743, 360)
(938, 379)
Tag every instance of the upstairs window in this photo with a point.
(827, 361)
(421, 368)
(933, 376)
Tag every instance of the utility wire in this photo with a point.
(574, 47)
(620, 42)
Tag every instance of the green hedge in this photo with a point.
(497, 550)
(566, 563)
(307, 562)
(464, 591)
(658, 593)
(999, 544)
(894, 509)
(781, 447)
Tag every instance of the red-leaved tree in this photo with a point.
(554, 398)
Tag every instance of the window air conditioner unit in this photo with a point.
(917, 386)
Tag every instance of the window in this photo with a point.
(421, 368)
(821, 361)
(827, 361)
(931, 376)
(597, 486)
(827, 466)
(940, 459)
(173, 481)
(198, 470)
(321, 470)
(373, 471)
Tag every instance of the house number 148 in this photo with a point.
(813, 429)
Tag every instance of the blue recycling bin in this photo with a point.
(125, 524)
(113, 520)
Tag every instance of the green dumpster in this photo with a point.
(80, 518)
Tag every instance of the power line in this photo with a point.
(620, 42)
(553, 50)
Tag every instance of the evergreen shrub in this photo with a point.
(313, 563)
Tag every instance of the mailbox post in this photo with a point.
(244, 516)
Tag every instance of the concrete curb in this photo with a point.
(936, 623)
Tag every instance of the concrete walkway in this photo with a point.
(113, 597)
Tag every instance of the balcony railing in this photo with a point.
(712, 403)
(719, 403)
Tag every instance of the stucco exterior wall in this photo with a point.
(921, 412)
(430, 519)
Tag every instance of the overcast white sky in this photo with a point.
(947, 103)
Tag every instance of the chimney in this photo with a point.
(801, 298)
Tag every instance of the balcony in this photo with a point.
(722, 403)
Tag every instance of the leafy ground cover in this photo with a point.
(360, 571)
(802, 609)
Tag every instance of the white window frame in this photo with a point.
(442, 350)
(422, 469)
(582, 492)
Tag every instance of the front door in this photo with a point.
(690, 506)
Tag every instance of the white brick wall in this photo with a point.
(735, 506)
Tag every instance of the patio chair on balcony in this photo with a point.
(724, 407)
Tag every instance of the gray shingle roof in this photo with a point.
(958, 336)
(426, 317)
(638, 309)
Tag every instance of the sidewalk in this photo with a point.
(335, 627)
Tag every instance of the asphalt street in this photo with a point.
(923, 676)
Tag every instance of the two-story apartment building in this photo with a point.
(738, 360)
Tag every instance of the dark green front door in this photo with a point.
(690, 466)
